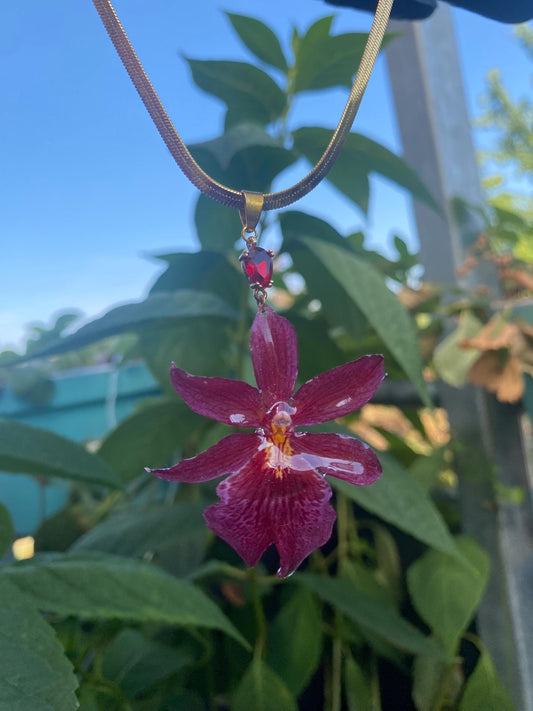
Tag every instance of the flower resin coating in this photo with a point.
(277, 492)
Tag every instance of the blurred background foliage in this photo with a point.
(144, 609)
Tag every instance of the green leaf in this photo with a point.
(148, 438)
(453, 362)
(370, 614)
(6, 530)
(34, 674)
(367, 288)
(314, 360)
(174, 532)
(358, 691)
(218, 227)
(245, 155)
(203, 271)
(199, 346)
(160, 309)
(105, 587)
(484, 691)
(31, 450)
(262, 690)
(425, 469)
(249, 91)
(184, 700)
(360, 156)
(295, 225)
(428, 677)
(339, 311)
(446, 591)
(397, 498)
(323, 60)
(259, 39)
(295, 641)
(136, 663)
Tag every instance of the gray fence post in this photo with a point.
(429, 99)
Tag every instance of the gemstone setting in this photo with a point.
(258, 266)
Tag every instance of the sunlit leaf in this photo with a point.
(249, 91)
(360, 156)
(446, 591)
(484, 691)
(336, 308)
(453, 362)
(368, 290)
(323, 60)
(259, 39)
(245, 155)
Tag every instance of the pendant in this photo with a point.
(257, 263)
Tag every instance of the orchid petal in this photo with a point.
(274, 355)
(338, 455)
(229, 401)
(338, 392)
(260, 506)
(229, 455)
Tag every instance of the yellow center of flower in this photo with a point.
(278, 447)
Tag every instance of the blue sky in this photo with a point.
(88, 189)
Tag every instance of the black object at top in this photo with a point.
(502, 10)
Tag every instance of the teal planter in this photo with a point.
(87, 403)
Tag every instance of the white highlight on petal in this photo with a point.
(304, 462)
(237, 419)
(344, 402)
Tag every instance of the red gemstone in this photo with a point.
(258, 266)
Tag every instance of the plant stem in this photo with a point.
(343, 516)
(260, 619)
(336, 673)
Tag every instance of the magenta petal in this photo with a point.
(259, 508)
(339, 391)
(274, 356)
(229, 455)
(337, 455)
(229, 401)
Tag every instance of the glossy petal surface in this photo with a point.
(229, 455)
(274, 356)
(258, 507)
(229, 401)
(337, 455)
(338, 392)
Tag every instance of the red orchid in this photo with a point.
(277, 492)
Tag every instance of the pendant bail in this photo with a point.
(251, 211)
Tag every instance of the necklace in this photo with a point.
(256, 262)
(276, 492)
